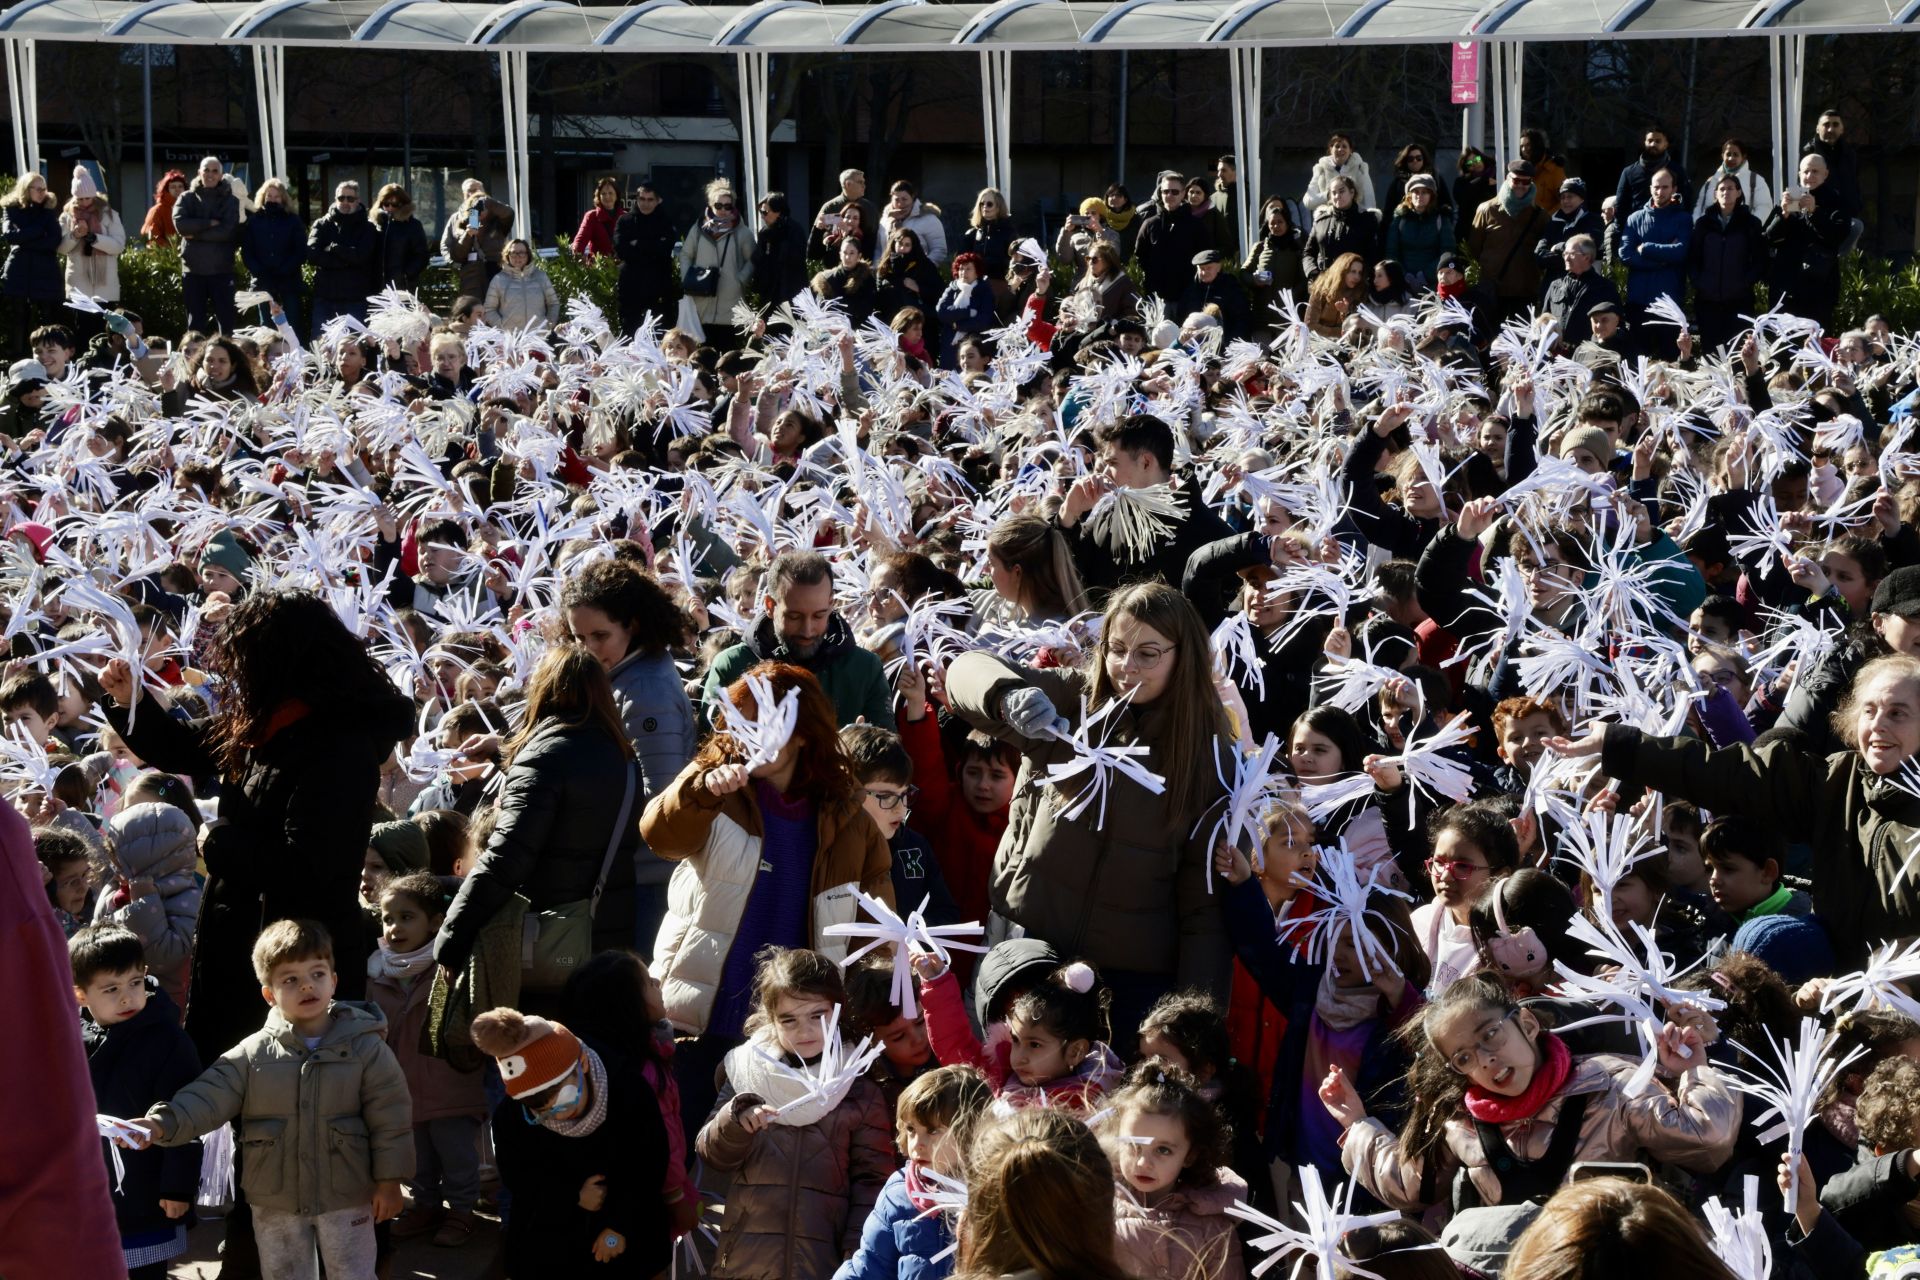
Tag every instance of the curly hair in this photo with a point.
(630, 598)
(1156, 1087)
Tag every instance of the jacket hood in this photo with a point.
(769, 647)
(152, 840)
(351, 1020)
(160, 1011)
(169, 178)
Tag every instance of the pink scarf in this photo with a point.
(1556, 1065)
(917, 1189)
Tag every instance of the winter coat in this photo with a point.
(644, 244)
(801, 1190)
(1552, 244)
(156, 842)
(1468, 195)
(1654, 247)
(1757, 196)
(653, 706)
(517, 297)
(1726, 261)
(1110, 298)
(1416, 240)
(343, 249)
(1211, 582)
(1569, 298)
(96, 274)
(1806, 255)
(1383, 524)
(852, 677)
(898, 1240)
(1634, 189)
(1105, 563)
(437, 1089)
(1127, 893)
(557, 809)
(780, 260)
(32, 269)
(962, 311)
(1077, 242)
(403, 252)
(158, 224)
(1335, 231)
(1693, 1125)
(993, 241)
(549, 1235)
(1319, 185)
(476, 252)
(1225, 292)
(854, 288)
(133, 1065)
(1280, 257)
(1869, 1199)
(716, 842)
(964, 841)
(290, 841)
(817, 244)
(890, 282)
(732, 254)
(1502, 243)
(273, 244)
(1843, 174)
(314, 1128)
(208, 220)
(1164, 249)
(594, 239)
(1858, 824)
(1548, 177)
(924, 221)
(1187, 1235)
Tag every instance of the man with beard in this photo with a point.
(799, 625)
(1635, 187)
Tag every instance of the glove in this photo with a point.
(1030, 713)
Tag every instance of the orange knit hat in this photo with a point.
(533, 1054)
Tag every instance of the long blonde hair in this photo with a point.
(18, 197)
(1040, 1198)
(1000, 202)
(1332, 282)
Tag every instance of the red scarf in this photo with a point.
(1556, 1065)
(292, 711)
(1455, 290)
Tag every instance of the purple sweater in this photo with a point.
(776, 910)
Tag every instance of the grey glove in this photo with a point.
(1030, 713)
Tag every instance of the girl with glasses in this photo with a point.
(1473, 846)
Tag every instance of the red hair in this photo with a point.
(821, 771)
(978, 263)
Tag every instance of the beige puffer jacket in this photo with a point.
(316, 1128)
(1692, 1124)
(803, 1186)
(1186, 1235)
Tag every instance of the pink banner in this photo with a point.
(1466, 72)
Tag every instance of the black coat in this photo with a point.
(1843, 173)
(1104, 565)
(643, 242)
(1212, 581)
(890, 280)
(342, 248)
(1569, 298)
(1634, 189)
(1226, 293)
(1468, 195)
(1560, 229)
(273, 243)
(557, 809)
(32, 269)
(1725, 263)
(1338, 231)
(1806, 256)
(1165, 249)
(780, 260)
(855, 288)
(993, 241)
(403, 251)
(291, 841)
(134, 1064)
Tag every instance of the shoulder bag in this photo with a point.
(557, 941)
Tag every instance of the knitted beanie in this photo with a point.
(84, 187)
(225, 551)
(533, 1054)
(1592, 439)
(1795, 947)
(401, 845)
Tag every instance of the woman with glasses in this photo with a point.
(522, 293)
(989, 233)
(1413, 159)
(403, 252)
(643, 242)
(1120, 880)
(716, 261)
(594, 239)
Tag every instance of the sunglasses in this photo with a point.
(723, 208)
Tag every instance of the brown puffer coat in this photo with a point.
(801, 1191)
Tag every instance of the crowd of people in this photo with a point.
(1414, 786)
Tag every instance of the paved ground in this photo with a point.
(417, 1259)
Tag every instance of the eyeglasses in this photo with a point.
(1529, 570)
(348, 199)
(891, 800)
(1146, 657)
(1487, 1045)
(1458, 868)
(1520, 182)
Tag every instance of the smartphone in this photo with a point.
(473, 218)
(1631, 1170)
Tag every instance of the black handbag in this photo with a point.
(701, 282)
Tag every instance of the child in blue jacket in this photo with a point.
(901, 1240)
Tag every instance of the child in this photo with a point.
(1055, 1051)
(324, 1124)
(137, 1055)
(1680, 827)
(806, 1176)
(65, 862)
(1521, 728)
(1878, 1199)
(151, 850)
(1039, 1200)
(461, 785)
(1168, 1144)
(1008, 970)
(934, 1122)
(964, 817)
(1289, 858)
(1473, 846)
(1490, 1089)
(1833, 1144)
(448, 1105)
(905, 1052)
(1744, 859)
(885, 773)
(1324, 744)
(1187, 1029)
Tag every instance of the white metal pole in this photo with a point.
(1775, 109)
(23, 98)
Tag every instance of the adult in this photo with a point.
(1829, 142)
(402, 256)
(1211, 286)
(1030, 564)
(1505, 230)
(1806, 231)
(1420, 230)
(341, 246)
(1214, 231)
(1122, 884)
(1105, 293)
(1548, 173)
(852, 284)
(989, 233)
(1574, 218)
(800, 627)
(643, 242)
(306, 718)
(91, 237)
(273, 246)
(1654, 249)
(1079, 232)
(569, 791)
(1275, 261)
(594, 238)
(1342, 225)
(1414, 159)
(965, 309)
(1123, 216)
(1755, 194)
(157, 227)
(1167, 241)
(779, 251)
(30, 279)
(1473, 185)
(716, 261)
(827, 227)
(207, 216)
(523, 293)
(1726, 257)
(1335, 294)
(1579, 288)
(905, 211)
(1341, 161)
(475, 237)
(1635, 186)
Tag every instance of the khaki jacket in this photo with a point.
(315, 1128)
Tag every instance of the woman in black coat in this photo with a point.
(779, 251)
(1726, 257)
(403, 240)
(306, 720)
(570, 776)
(906, 277)
(643, 241)
(273, 245)
(31, 279)
(1340, 226)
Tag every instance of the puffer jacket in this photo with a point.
(653, 707)
(716, 841)
(802, 1186)
(95, 274)
(32, 268)
(1129, 893)
(343, 249)
(314, 1128)
(156, 842)
(1336, 231)
(1726, 261)
(1320, 184)
(208, 220)
(273, 244)
(732, 256)
(1859, 825)
(1692, 1125)
(519, 297)
(1186, 1234)
(134, 1064)
(1416, 241)
(854, 679)
(898, 1240)
(1654, 247)
(923, 220)
(557, 809)
(437, 1089)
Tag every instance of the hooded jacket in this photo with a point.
(96, 274)
(342, 247)
(158, 224)
(157, 843)
(437, 1088)
(134, 1064)
(1320, 185)
(898, 1240)
(208, 220)
(923, 220)
(1187, 1233)
(32, 269)
(1354, 229)
(315, 1129)
(854, 679)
